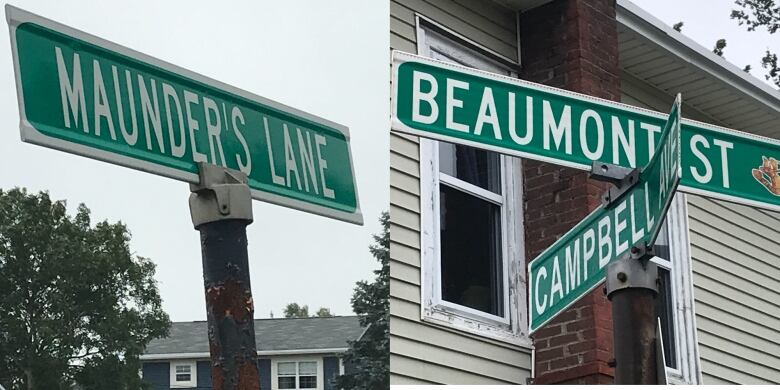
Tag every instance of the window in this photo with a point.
(674, 302)
(472, 215)
(184, 374)
(303, 374)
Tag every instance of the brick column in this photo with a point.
(570, 44)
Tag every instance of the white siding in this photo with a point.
(736, 276)
(422, 353)
(735, 252)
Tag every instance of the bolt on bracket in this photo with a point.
(220, 194)
(633, 270)
(621, 177)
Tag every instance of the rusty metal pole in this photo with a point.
(221, 208)
(632, 287)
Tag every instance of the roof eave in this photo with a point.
(205, 355)
(633, 17)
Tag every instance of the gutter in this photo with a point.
(206, 355)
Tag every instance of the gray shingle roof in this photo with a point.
(273, 334)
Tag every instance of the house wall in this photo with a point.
(330, 367)
(204, 374)
(735, 253)
(158, 373)
(736, 276)
(422, 353)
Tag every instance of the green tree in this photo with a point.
(761, 13)
(719, 46)
(294, 310)
(77, 306)
(369, 357)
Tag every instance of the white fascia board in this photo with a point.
(635, 18)
(198, 355)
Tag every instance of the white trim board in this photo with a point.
(264, 353)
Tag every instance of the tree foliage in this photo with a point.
(769, 62)
(719, 46)
(77, 306)
(758, 13)
(369, 357)
(294, 310)
(761, 13)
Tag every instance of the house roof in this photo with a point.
(272, 336)
(718, 90)
(713, 89)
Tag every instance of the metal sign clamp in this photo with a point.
(227, 188)
(623, 179)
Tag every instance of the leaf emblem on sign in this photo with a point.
(767, 175)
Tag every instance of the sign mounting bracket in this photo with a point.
(623, 178)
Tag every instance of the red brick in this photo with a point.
(570, 44)
(563, 339)
(548, 331)
(550, 354)
(579, 325)
(566, 362)
(584, 346)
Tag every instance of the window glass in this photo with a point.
(183, 373)
(286, 368)
(307, 368)
(286, 382)
(478, 167)
(664, 300)
(665, 311)
(308, 382)
(286, 374)
(470, 251)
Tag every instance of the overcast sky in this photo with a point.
(706, 21)
(329, 58)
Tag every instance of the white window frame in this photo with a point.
(512, 327)
(297, 359)
(193, 382)
(688, 370)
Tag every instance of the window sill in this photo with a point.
(439, 316)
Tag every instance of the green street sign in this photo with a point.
(452, 103)
(84, 95)
(576, 263)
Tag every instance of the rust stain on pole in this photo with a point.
(229, 306)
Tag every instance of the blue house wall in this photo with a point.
(330, 370)
(158, 374)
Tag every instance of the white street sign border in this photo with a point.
(16, 16)
(400, 57)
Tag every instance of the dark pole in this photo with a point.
(221, 208)
(631, 287)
